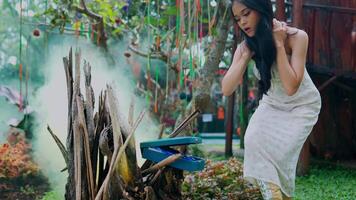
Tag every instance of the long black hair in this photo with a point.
(262, 43)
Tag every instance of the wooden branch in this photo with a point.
(86, 11)
(97, 158)
(115, 120)
(83, 128)
(150, 193)
(168, 33)
(184, 123)
(333, 80)
(155, 177)
(155, 83)
(98, 18)
(155, 55)
(59, 144)
(126, 195)
(146, 165)
(213, 19)
(89, 104)
(76, 84)
(169, 160)
(117, 134)
(68, 68)
(161, 56)
(142, 91)
(77, 160)
(76, 130)
(326, 83)
(161, 130)
(70, 186)
(128, 168)
(131, 112)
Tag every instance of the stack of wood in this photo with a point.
(100, 150)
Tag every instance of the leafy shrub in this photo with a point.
(219, 180)
(15, 160)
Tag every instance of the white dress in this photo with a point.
(277, 131)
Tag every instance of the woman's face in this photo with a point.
(246, 18)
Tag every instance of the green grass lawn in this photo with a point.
(327, 182)
(323, 182)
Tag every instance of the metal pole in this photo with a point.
(229, 125)
(243, 122)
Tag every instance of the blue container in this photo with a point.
(159, 150)
(171, 142)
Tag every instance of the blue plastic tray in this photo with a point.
(157, 154)
(171, 142)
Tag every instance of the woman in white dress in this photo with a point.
(289, 105)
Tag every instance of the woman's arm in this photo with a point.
(238, 67)
(291, 73)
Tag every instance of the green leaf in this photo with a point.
(153, 21)
(121, 4)
(171, 10)
(205, 20)
(163, 21)
(117, 31)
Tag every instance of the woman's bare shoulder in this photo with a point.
(297, 37)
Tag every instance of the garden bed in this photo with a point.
(24, 188)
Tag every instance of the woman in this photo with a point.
(290, 102)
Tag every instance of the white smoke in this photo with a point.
(51, 102)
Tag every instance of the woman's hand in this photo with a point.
(246, 53)
(279, 32)
(237, 69)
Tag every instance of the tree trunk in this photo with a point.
(206, 74)
(304, 159)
